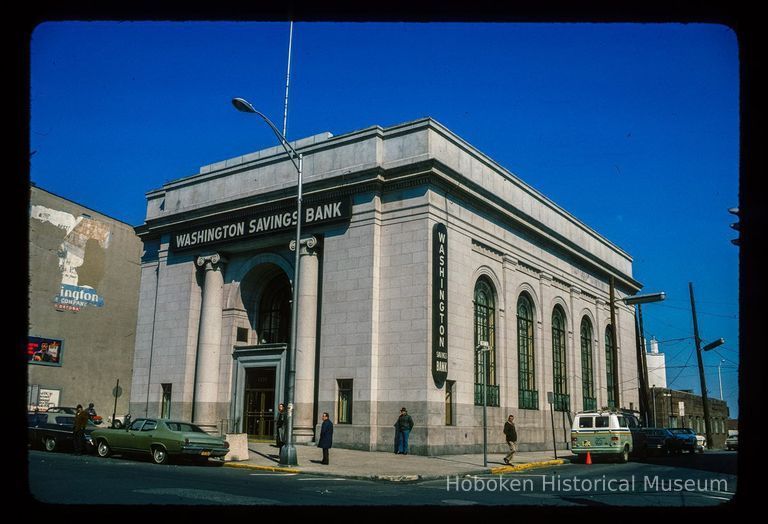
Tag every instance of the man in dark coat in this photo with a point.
(510, 432)
(78, 431)
(404, 425)
(326, 437)
(280, 424)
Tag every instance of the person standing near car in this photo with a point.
(326, 437)
(510, 432)
(78, 430)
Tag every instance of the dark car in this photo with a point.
(685, 440)
(657, 441)
(54, 431)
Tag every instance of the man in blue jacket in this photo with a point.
(326, 437)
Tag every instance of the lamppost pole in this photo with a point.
(720, 378)
(483, 347)
(288, 451)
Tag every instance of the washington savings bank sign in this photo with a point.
(257, 223)
(439, 304)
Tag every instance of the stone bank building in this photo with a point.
(416, 249)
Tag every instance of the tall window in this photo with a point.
(529, 397)
(485, 364)
(344, 416)
(450, 419)
(587, 378)
(275, 311)
(610, 355)
(559, 372)
(165, 405)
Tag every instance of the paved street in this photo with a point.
(698, 480)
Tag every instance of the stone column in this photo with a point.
(209, 343)
(306, 339)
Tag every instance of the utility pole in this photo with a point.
(616, 402)
(705, 399)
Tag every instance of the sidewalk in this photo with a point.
(379, 465)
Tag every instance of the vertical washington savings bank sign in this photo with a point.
(439, 304)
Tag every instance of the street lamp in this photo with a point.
(483, 348)
(288, 451)
(642, 371)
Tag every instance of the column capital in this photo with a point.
(211, 262)
(308, 246)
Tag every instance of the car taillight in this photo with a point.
(614, 438)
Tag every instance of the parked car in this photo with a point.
(604, 432)
(119, 422)
(52, 431)
(162, 439)
(62, 409)
(701, 443)
(658, 441)
(732, 442)
(685, 440)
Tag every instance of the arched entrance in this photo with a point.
(266, 295)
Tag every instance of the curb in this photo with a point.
(262, 468)
(401, 478)
(530, 465)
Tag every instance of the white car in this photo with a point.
(701, 443)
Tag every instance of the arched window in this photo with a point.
(528, 396)
(610, 355)
(485, 364)
(275, 311)
(587, 378)
(559, 371)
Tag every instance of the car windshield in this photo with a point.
(183, 427)
(682, 431)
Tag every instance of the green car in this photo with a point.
(162, 438)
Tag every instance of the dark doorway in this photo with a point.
(259, 402)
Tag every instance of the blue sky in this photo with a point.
(632, 128)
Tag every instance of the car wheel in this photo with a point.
(49, 444)
(624, 455)
(159, 455)
(103, 449)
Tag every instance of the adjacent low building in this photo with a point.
(83, 297)
(417, 250)
(684, 409)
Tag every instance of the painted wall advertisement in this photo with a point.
(81, 255)
(45, 351)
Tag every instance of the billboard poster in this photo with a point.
(45, 351)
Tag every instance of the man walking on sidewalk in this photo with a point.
(511, 434)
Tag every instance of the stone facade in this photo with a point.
(365, 293)
(83, 292)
